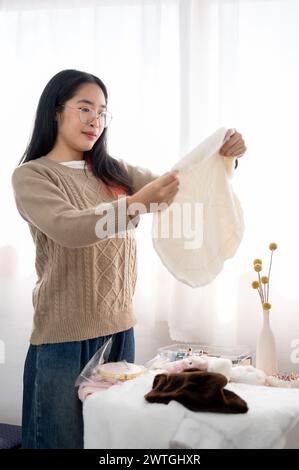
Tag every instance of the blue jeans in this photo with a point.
(52, 412)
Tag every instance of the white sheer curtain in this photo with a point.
(176, 70)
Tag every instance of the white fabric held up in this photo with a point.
(204, 225)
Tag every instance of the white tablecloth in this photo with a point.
(121, 418)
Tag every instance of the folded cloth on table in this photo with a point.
(247, 374)
(197, 390)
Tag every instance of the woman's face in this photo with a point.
(72, 132)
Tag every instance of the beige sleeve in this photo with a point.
(44, 205)
(138, 175)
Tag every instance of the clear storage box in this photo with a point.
(239, 355)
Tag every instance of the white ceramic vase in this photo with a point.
(266, 357)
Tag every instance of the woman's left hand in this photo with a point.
(234, 147)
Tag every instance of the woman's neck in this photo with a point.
(64, 154)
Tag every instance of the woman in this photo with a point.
(80, 206)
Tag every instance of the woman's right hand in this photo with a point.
(161, 190)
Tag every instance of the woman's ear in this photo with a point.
(57, 116)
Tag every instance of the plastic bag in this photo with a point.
(157, 363)
(90, 371)
(96, 376)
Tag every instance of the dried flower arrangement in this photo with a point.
(263, 283)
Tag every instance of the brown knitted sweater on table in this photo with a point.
(85, 282)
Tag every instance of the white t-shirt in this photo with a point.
(79, 164)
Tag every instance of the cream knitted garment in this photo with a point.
(204, 226)
(85, 284)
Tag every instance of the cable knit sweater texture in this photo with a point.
(85, 285)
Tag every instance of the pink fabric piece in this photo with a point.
(87, 388)
(200, 362)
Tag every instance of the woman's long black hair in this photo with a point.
(62, 87)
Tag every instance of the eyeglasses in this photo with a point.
(87, 115)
